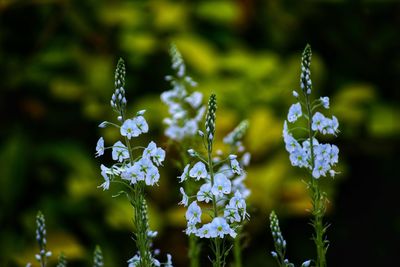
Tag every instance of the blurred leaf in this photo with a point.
(12, 171)
(221, 12)
(138, 43)
(125, 14)
(57, 242)
(119, 215)
(350, 106)
(264, 181)
(197, 53)
(169, 15)
(65, 89)
(265, 131)
(384, 121)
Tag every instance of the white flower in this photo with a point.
(204, 194)
(194, 99)
(100, 147)
(319, 122)
(141, 123)
(246, 159)
(129, 129)
(106, 184)
(119, 151)
(185, 174)
(156, 153)
(193, 214)
(198, 171)
(294, 112)
(169, 261)
(221, 185)
(235, 165)
(142, 167)
(219, 228)
(185, 198)
(129, 174)
(204, 231)
(152, 175)
(325, 101)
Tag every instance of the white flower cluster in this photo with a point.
(186, 110)
(141, 168)
(325, 156)
(319, 158)
(145, 168)
(135, 261)
(223, 191)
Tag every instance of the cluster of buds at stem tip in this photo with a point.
(41, 238)
(280, 243)
(118, 100)
(305, 77)
(210, 120)
(62, 261)
(98, 257)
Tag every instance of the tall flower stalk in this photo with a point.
(185, 113)
(219, 198)
(135, 167)
(234, 140)
(44, 254)
(98, 257)
(318, 158)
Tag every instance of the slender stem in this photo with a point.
(140, 215)
(217, 244)
(194, 251)
(42, 260)
(237, 252)
(318, 208)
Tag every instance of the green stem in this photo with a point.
(318, 204)
(237, 251)
(194, 251)
(217, 244)
(140, 215)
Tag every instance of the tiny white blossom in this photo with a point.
(129, 129)
(221, 185)
(100, 147)
(325, 101)
(294, 112)
(193, 214)
(185, 174)
(106, 184)
(103, 124)
(119, 151)
(185, 198)
(204, 231)
(219, 228)
(141, 123)
(198, 171)
(235, 166)
(194, 99)
(204, 194)
(191, 152)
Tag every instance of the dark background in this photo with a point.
(57, 63)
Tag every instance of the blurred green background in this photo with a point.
(57, 60)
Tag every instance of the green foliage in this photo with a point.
(57, 59)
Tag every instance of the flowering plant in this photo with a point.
(131, 169)
(218, 196)
(318, 158)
